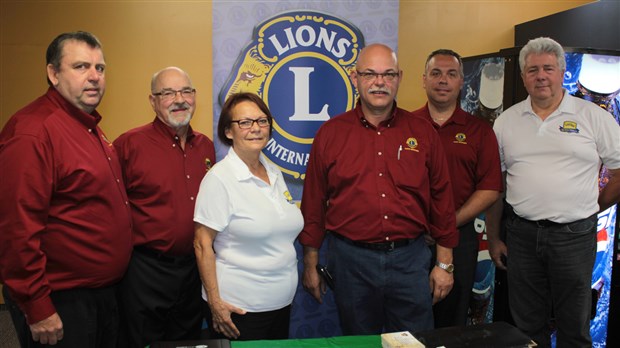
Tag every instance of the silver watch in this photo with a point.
(448, 267)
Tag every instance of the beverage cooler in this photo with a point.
(492, 84)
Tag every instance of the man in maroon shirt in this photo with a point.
(473, 159)
(163, 164)
(65, 231)
(377, 181)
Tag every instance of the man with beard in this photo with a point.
(163, 164)
(65, 227)
(377, 182)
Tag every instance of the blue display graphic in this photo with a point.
(299, 63)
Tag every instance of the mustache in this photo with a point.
(175, 106)
(380, 89)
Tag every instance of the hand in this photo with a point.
(313, 283)
(48, 331)
(497, 249)
(441, 283)
(222, 322)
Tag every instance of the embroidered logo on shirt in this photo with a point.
(208, 163)
(288, 197)
(461, 138)
(569, 127)
(412, 145)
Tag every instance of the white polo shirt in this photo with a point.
(552, 166)
(256, 262)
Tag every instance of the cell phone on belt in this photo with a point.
(327, 277)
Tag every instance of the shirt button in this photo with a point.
(387, 238)
(380, 174)
(109, 159)
(188, 176)
(174, 145)
(383, 195)
(191, 198)
(126, 203)
(378, 133)
(118, 180)
(385, 217)
(379, 153)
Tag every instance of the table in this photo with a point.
(373, 341)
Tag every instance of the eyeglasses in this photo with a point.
(248, 123)
(169, 94)
(371, 76)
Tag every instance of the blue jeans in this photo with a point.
(381, 291)
(550, 269)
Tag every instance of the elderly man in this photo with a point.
(377, 181)
(163, 164)
(65, 231)
(552, 146)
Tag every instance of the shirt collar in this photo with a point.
(241, 170)
(88, 120)
(458, 116)
(567, 105)
(386, 123)
(169, 132)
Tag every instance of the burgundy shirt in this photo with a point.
(65, 216)
(472, 153)
(162, 182)
(377, 184)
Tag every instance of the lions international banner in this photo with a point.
(297, 56)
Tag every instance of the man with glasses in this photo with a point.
(65, 227)
(377, 181)
(163, 164)
(473, 159)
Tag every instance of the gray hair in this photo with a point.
(542, 45)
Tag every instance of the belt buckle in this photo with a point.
(391, 246)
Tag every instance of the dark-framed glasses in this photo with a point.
(371, 75)
(169, 94)
(247, 123)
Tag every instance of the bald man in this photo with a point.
(163, 164)
(376, 182)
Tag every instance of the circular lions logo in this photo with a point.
(299, 63)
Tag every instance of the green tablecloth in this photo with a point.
(331, 342)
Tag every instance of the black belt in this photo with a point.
(548, 223)
(381, 246)
(154, 254)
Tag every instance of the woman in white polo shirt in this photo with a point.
(246, 222)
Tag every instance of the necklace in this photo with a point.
(439, 119)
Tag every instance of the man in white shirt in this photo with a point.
(552, 146)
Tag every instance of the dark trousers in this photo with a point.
(550, 269)
(452, 310)
(381, 291)
(159, 300)
(271, 325)
(89, 318)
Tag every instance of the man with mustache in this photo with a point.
(473, 159)
(163, 164)
(552, 146)
(376, 183)
(65, 231)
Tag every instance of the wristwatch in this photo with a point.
(448, 267)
